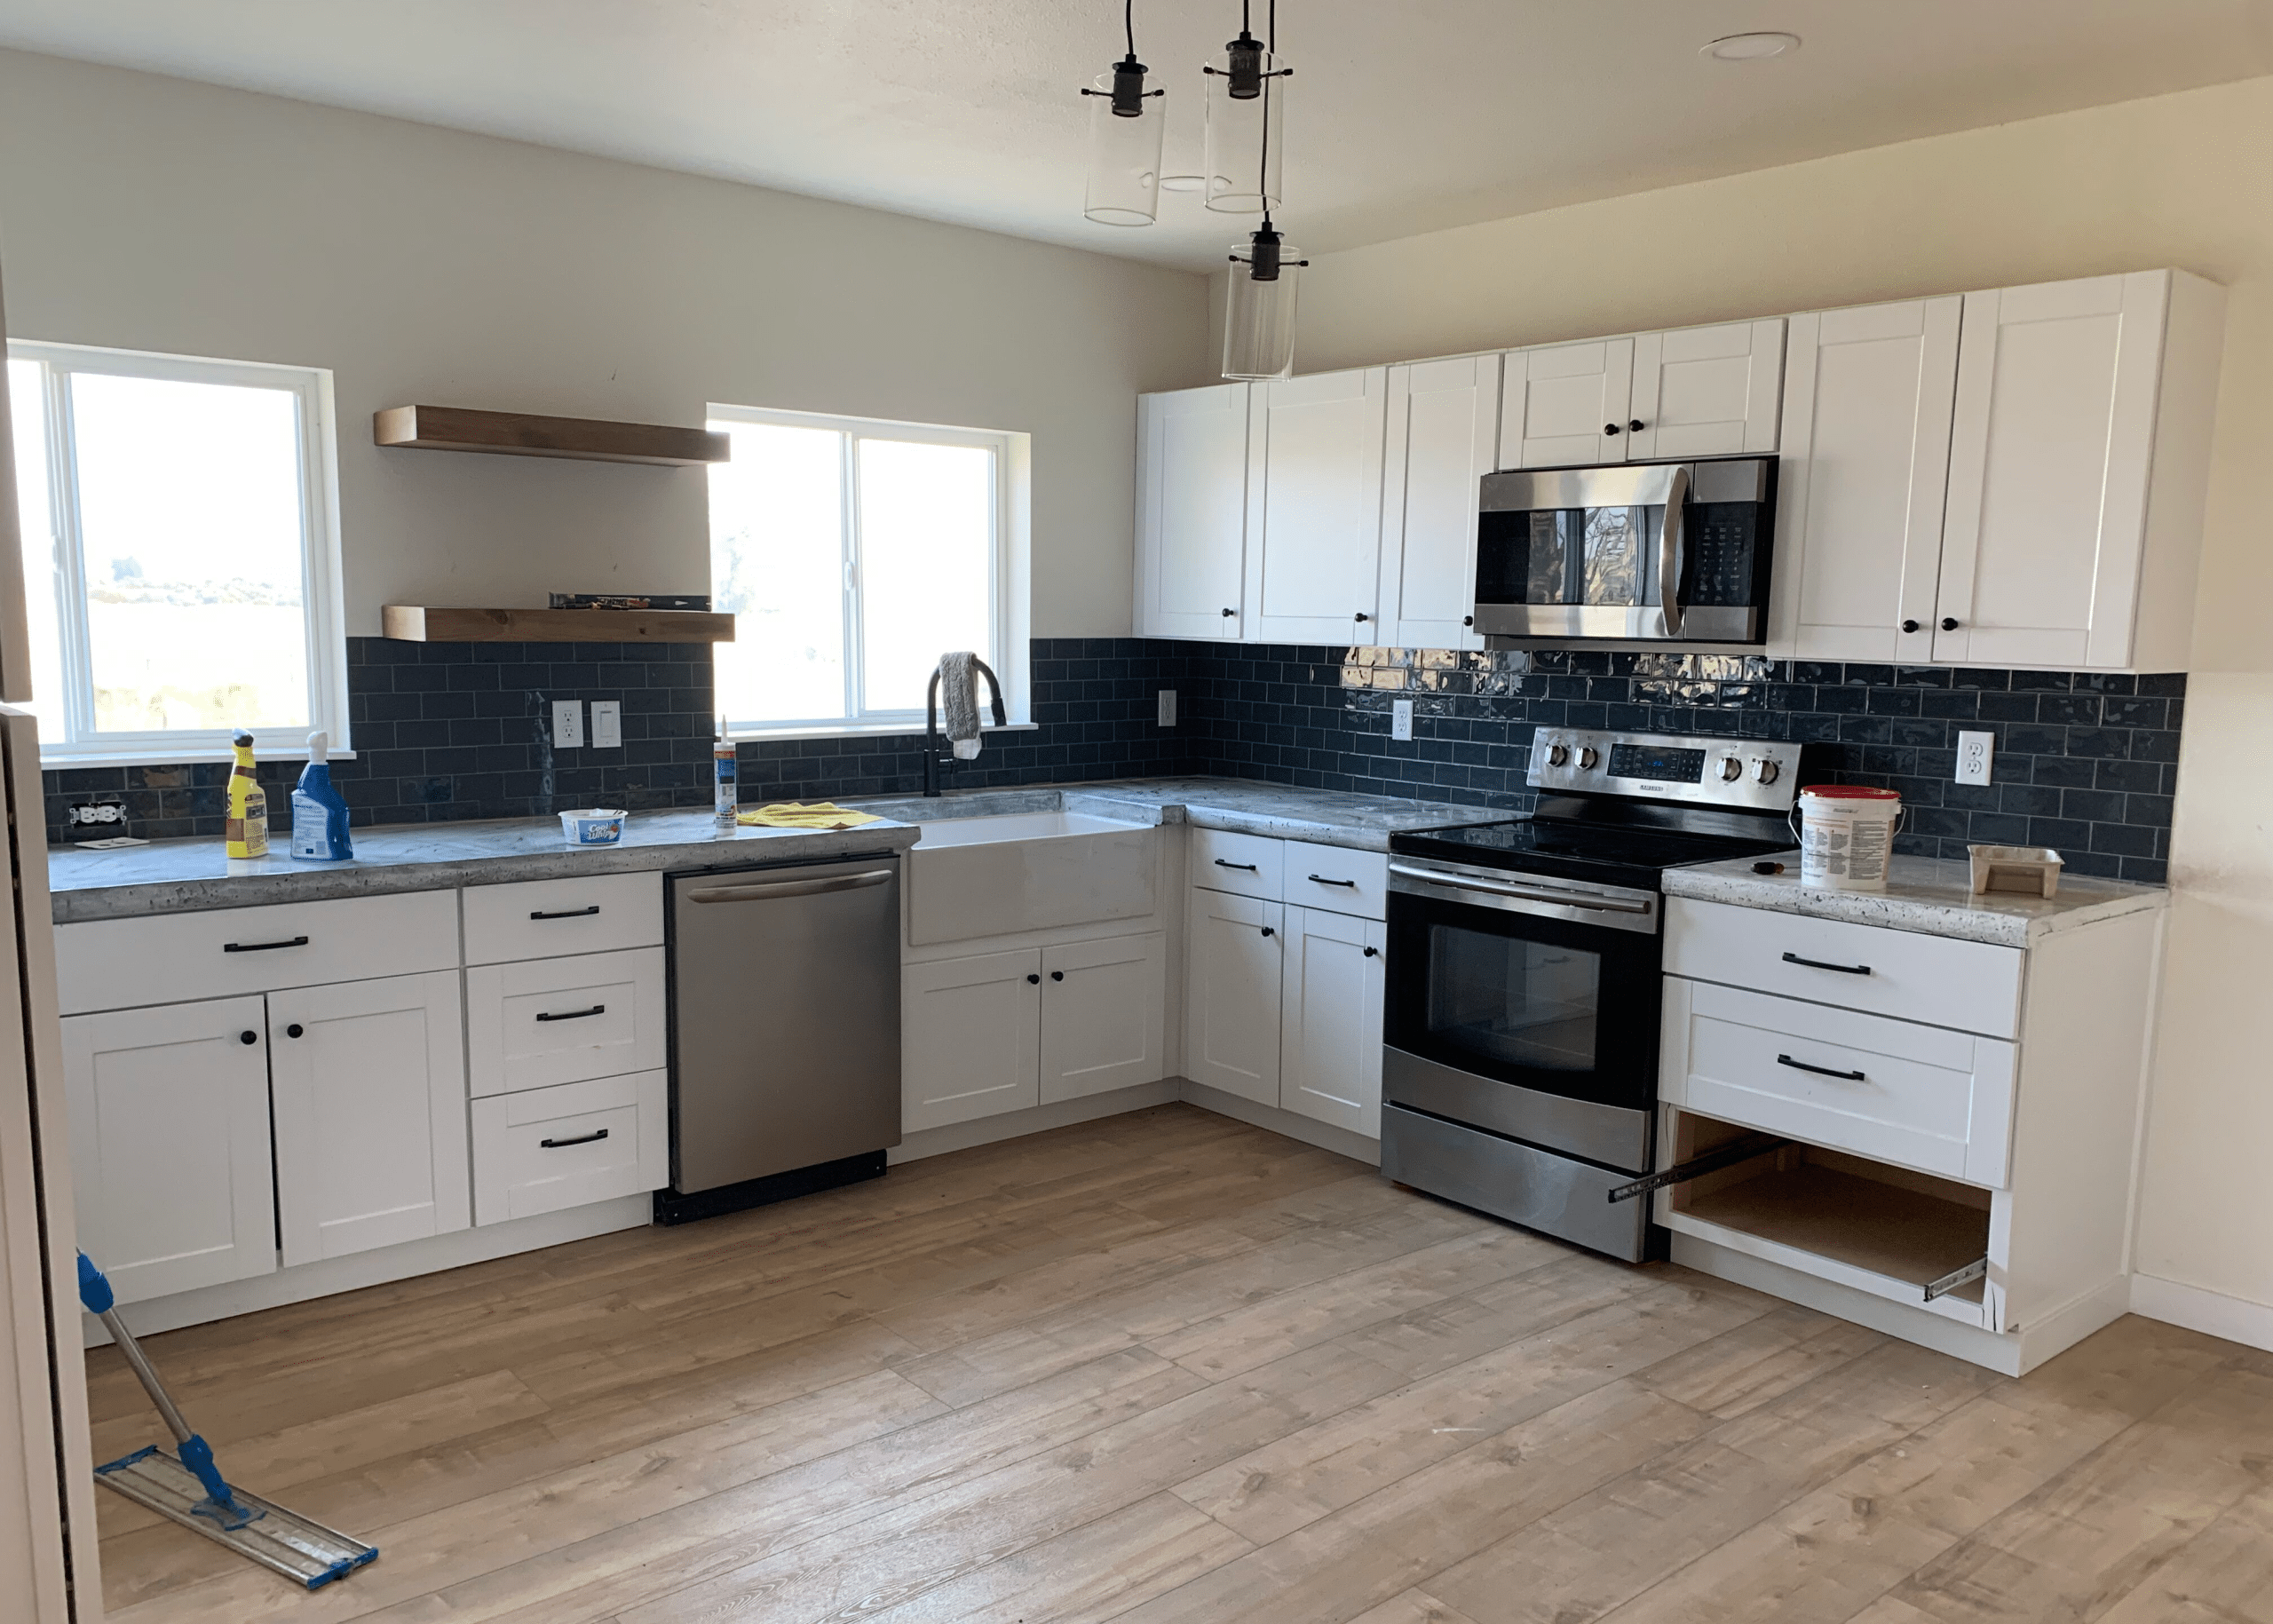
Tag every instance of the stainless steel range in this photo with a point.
(1519, 1070)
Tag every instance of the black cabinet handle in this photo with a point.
(1610, 428)
(1910, 625)
(1321, 880)
(1056, 975)
(554, 1145)
(570, 913)
(1034, 981)
(295, 1030)
(1372, 953)
(597, 1009)
(1364, 617)
(1244, 868)
(297, 941)
(248, 1037)
(1637, 425)
(1949, 622)
(1844, 970)
(1228, 614)
(1820, 1071)
(1267, 931)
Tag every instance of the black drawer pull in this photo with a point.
(1372, 953)
(297, 941)
(570, 913)
(1226, 863)
(597, 1009)
(1320, 879)
(554, 1145)
(1820, 1071)
(1844, 970)
(1267, 931)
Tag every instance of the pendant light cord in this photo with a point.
(1262, 164)
(1129, 20)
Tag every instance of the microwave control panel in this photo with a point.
(1745, 774)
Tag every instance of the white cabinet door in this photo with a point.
(169, 1143)
(369, 1081)
(1330, 1064)
(1191, 494)
(1444, 427)
(1232, 962)
(1707, 390)
(1867, 397)
(1314, 507)
(971, 1037)
(542, 1150)
(2049, 460)
(1567, 403)
(1103, 1009)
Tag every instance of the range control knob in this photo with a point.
(1732, 769)
(1557, 754)
(1588, 755)
(1767, 771)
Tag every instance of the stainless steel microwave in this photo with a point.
(1635, 551)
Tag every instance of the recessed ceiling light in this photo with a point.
(1751, 47)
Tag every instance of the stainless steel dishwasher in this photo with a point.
(784, 1030)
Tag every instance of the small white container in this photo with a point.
(1847, 836)
(593, 826)
(2028, 871)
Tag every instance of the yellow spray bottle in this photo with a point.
(246, 830)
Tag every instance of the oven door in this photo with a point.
(1525, 1007)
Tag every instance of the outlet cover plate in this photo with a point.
(607, 724)
(1400, 718)
(1168, 707)
(1975, 753)
(567, 724)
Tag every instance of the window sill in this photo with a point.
(187, 756)
(860, 729)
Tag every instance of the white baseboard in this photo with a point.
(375, 1268)
(2197, 1308)
(1035, 1119)
(1288, 1124)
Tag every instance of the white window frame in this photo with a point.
(1008, 583)
(324, 617)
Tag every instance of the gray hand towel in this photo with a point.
(959, 701)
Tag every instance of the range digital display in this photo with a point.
(1659, 763)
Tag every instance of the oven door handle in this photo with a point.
(1671, 544)
(1598, 905)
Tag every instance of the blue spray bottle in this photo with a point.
(319, 816)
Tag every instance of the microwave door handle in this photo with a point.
(1671, 545)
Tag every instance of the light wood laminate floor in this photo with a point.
(1170, 1367)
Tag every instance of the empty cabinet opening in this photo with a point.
(1907, 1226)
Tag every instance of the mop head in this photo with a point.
(247, 1524)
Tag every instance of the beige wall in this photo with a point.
(2176, 180)
(425, 264)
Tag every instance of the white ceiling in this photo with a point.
(1406, 115)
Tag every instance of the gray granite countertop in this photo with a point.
(170, 876)
(1928, 895)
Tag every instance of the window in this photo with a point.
(853, 554)
(183, 512)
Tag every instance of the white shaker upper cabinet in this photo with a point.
(1191, 512)
(1443, 424)
(1706, 391)
(2077, 463)
(1314, 507)
(1867, 395)
(1566, 403)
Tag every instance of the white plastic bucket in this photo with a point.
(1847, 836)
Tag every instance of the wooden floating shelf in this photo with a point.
(457, 428)
(413, 623)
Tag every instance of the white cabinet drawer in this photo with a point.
(1917, 1097)
(1337, 879)
(1246, 865)
(561, 1020)
(570, 1146)
(122, 963)
(1971, 986)
(545, 919)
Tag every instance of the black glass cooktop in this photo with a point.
(1578, 851)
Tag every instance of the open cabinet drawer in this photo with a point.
(1882, 1229)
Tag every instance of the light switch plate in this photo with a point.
(1168, 707)
(1400, 718)
(567, 724)
(607, 724)
(1974, 753)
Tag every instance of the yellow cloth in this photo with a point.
(795, 815)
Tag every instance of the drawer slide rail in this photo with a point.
(1711, 1162)
(1975, 1269)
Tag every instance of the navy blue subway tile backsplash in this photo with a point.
(444, 732)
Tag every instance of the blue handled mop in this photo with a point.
(188, 1488)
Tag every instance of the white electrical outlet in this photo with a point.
(1168, 707)
(1975, 751)
(607, 724)
(567, 724)
(1400, 718)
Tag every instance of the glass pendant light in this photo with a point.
(1126, 123)
(1246, 107)
(1259, 323)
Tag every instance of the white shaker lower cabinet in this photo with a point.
(368, 1084)
(1102, 1009)
(971, 1037)
(1234, 960)
(169, 1147)
(1330, 1043)
(544, 1150)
